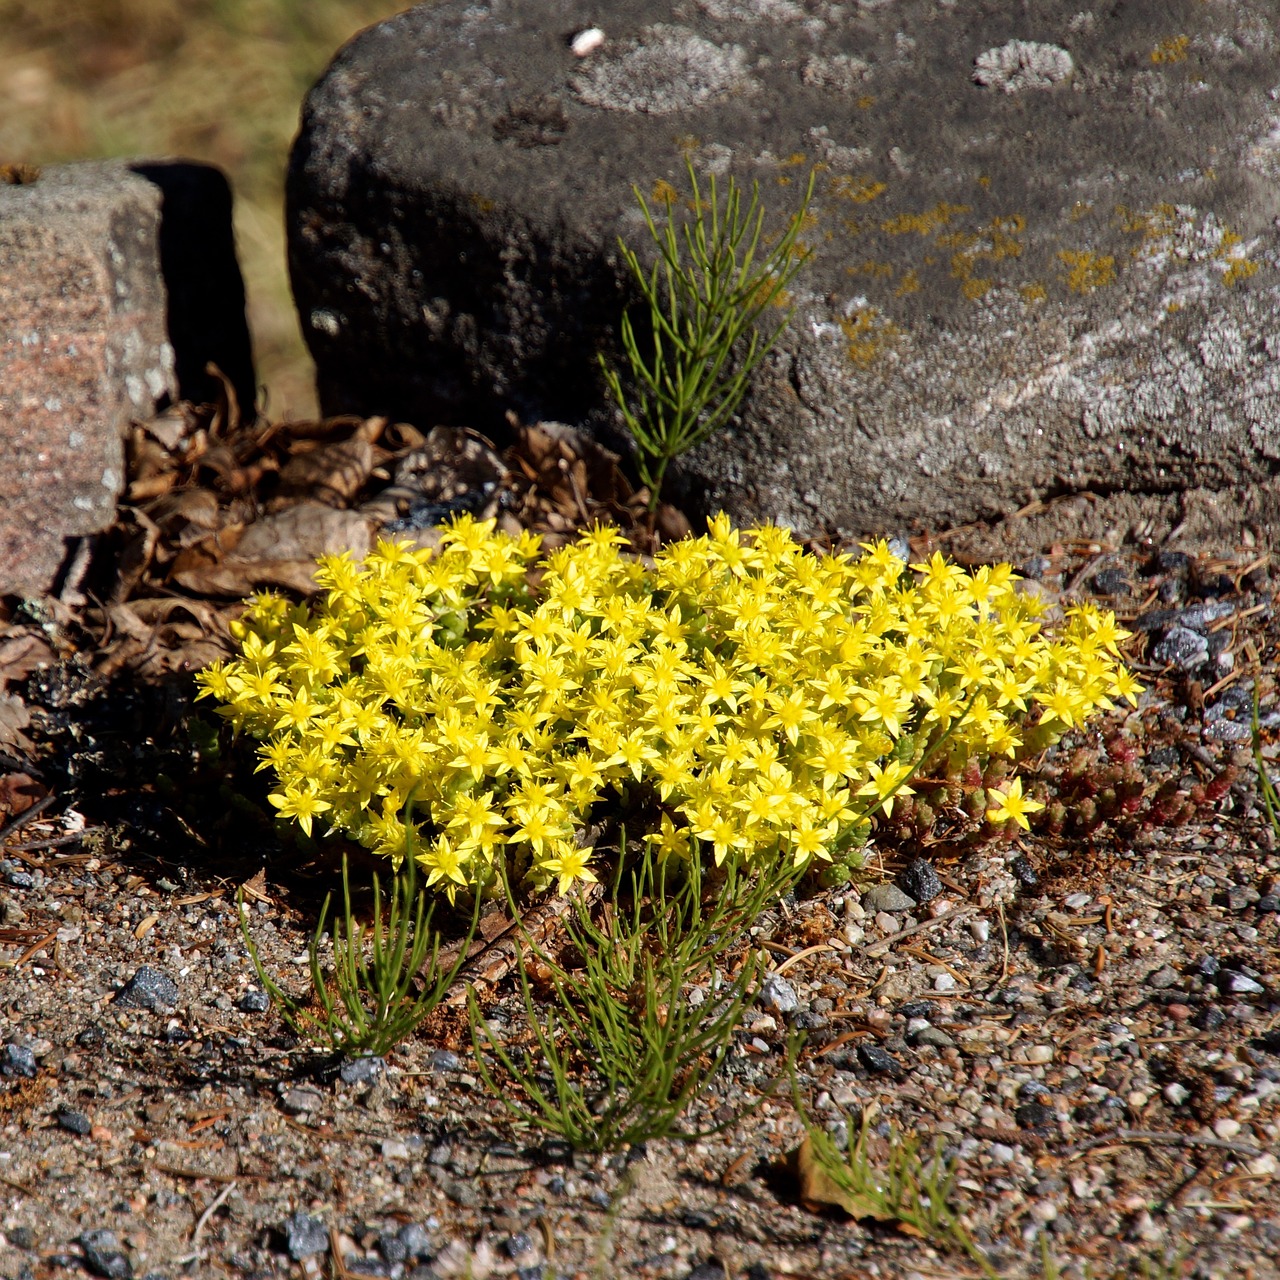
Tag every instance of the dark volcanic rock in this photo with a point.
(1027, 278)
(149, 988)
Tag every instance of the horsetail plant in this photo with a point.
(623, 1050)
(706, 291)
(367, 1005)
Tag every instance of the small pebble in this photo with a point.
(255, 1001)
(1001, 1154)
(1024, 871)
(1234, 983)
(1210, 1018)
(102, 1255)
(416, 1239)
(149, 988)
(1176, 1094)
(1031, 1115)
(879, 1061)
(20, 879)
(944, 982)
(1111, 582)
(980, 930)
(778, 994)
(920, 881)
(518, 1245)
(74, 1121)
(1182, 648)
(304, 1236)
(1163, 978)
(445, 1060)
(586, 42)
(886, 923)
(392, 1248)
(362, 1070)
(299, 1101)
(1178, 1012)
(1040, 1053)
(935, 1037)
(18, 1060)
(887, 898)
(394, 1149)
(1226, 1128)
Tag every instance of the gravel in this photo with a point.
(1083, 1024)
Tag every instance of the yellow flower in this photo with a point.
(299, 802)
(750, 687)
(1012, 805)
(886, 783)
(570, 866)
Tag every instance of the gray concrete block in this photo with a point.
(105, 272)
(1045, 245)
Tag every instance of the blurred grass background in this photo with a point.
(214, 80)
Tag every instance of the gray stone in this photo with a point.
(887, 897)
(1183, 648)
(1228, 731)
(305, 1235)
(1028, 278)
(416, 1239)
(103, 1257)
(118, 283)
(18, 1060)
(362, 1070)
(74, 1121)
(879, 1061)
(298, 1101)
(934, 1036)
(778, 994)
(254, 1001)
(149, 988)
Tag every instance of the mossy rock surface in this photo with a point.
(1045, 259)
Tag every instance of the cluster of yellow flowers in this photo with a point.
(747, 698)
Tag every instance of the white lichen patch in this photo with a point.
(1263, 154)
(751, 10)
(840, 73)
(667, 69)
(1022, 64)
(1175, 233)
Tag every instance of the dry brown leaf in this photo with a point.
(256, 887)
(18, 792)
(280, 550)
(332, 474)
(13, 720)
(22, 653)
